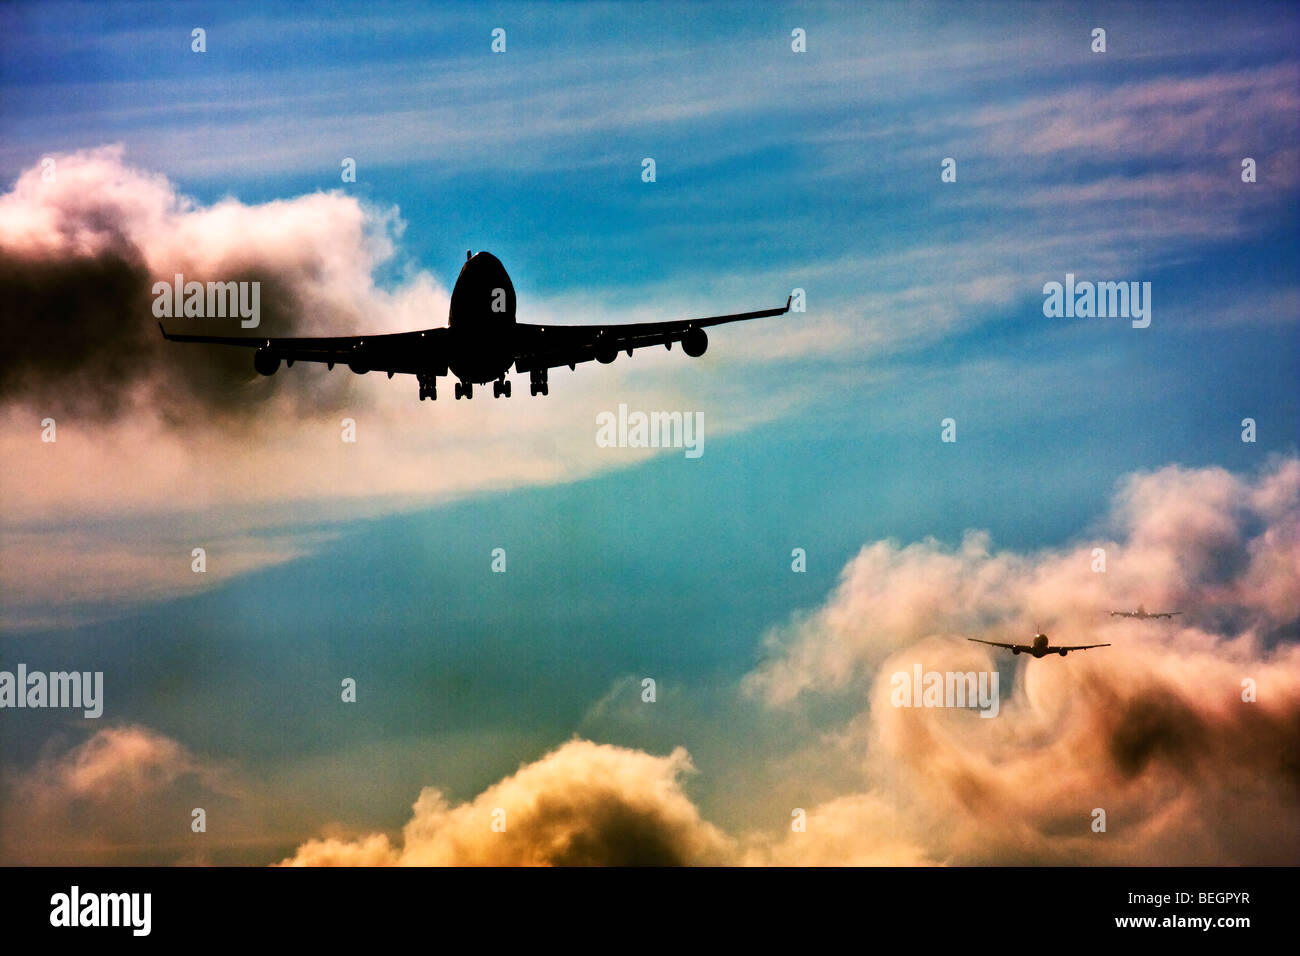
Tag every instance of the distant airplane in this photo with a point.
(1040, 647)
(481, 342)
(1142, 615)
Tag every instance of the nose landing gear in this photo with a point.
(428, 387)
(538, 384)
(464, 389)
(500, 387)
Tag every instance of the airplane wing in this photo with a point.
(1075, 647)
(1010, 647)
(1168, 614)
(550, 346)
(1123, 614)
(413, 352)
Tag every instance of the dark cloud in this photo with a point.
(79, 257)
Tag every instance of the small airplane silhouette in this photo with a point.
(1142, 615)
(1040, 647)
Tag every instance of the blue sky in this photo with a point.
(775, 170)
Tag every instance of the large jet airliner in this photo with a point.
(1040, 647)
(481, 342)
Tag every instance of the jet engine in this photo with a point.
(265, 361)
(606, 352)
(695, 343)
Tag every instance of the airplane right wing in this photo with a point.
(551, 346)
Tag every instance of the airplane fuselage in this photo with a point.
(1037, 648)
(482, 321)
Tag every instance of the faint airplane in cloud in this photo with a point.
(481, 342)
(1142, 615)
(1039, 647)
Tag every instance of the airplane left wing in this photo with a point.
(551, 346)
(1077, 647)
(413, 352)
(1010, 647)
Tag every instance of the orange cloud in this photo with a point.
(123, 795)
(1153, 730)
(583, 804)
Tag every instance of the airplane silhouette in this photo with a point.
(481, 341)
(1142, 615)
(1040, 647)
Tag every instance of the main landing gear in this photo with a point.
(538, 385)
(428, 387)
(500, 388)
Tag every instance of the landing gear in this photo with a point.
(428, 387)
(538, 385)
(500, 387)
(464, 389)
